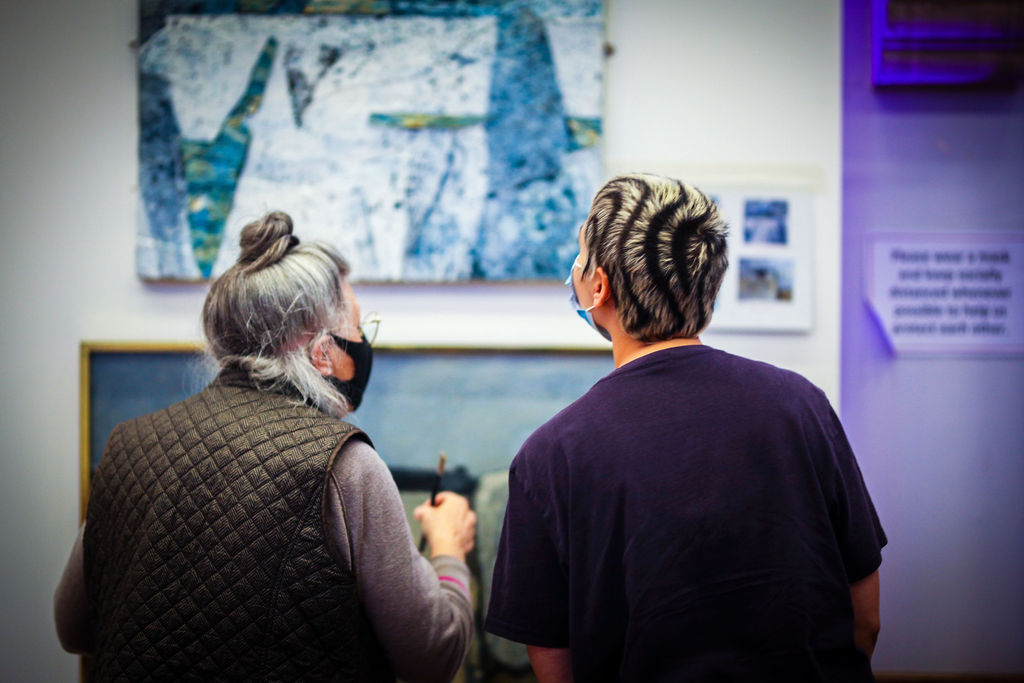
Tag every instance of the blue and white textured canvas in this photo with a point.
(429, 141)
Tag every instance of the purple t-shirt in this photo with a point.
(694, 516)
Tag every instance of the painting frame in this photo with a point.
(89, 350)
(86, 352)
(484, 368)
(248, 100)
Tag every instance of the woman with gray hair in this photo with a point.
(247, 532)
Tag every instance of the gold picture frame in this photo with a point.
(88, 352)
(478, 404)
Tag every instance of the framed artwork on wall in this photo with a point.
(429, 140)
(476, 405)
(120, 381)
(769, 286)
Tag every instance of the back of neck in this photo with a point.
(626, 348)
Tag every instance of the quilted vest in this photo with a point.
(205, 548)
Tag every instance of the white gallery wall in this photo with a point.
(713, 92)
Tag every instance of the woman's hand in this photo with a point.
(449, 526)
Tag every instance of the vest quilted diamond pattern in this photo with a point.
(205, 550)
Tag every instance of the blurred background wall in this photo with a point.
(940, 440)
(706, 91)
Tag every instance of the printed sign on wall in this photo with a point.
(955, 293)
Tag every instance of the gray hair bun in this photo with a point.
(266, 241)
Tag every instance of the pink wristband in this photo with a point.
(453, 580)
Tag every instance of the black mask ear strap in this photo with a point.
(361, 354)
(342, 342)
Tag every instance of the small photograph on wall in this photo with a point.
(764, 221)
(769, 285)
(429, 141)
(766, 279)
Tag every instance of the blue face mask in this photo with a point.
(584, 313)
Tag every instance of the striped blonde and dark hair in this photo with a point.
(662, 244)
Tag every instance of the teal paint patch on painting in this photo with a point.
(212, 168)
(413, 121)
(583, 132)
(373, 7)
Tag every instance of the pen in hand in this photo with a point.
(433, 494)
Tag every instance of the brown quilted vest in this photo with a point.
(205, 549)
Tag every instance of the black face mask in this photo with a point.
(362, 357)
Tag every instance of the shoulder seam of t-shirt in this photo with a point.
(546, 514)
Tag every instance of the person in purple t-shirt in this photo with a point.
(695, 516)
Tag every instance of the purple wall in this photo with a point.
(940, 440)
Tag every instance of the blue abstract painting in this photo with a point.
(428, 140)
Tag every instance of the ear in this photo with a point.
(601, 288)
(319, 356)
